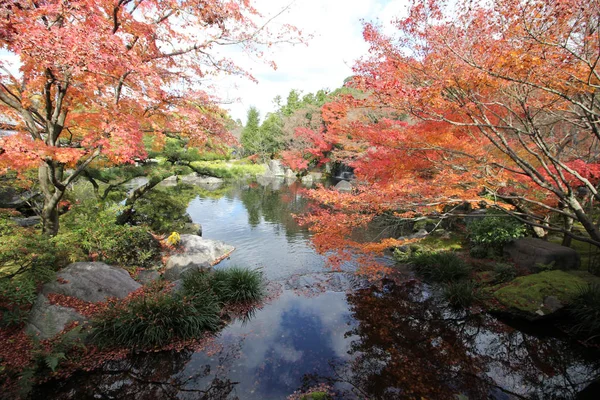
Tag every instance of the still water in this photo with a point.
(394, 340)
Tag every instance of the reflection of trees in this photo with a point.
(405, 349)
(408, 346)
(150, 376)
(165, 209)
(275, 206)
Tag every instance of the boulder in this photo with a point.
(196, 253)
(193, 228)
(27, 222)
(92, 282)
(308, 179)
(11, 198)
(204, 181)
(343, 186)
(147, 276)
(88, 281)
(540, 295)
(528, 252)
(317, 176)
(169, 182)
(275, 168)
(47, 320)
(290, 174)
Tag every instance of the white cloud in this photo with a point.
(324, 63)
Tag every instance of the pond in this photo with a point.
(393, 340)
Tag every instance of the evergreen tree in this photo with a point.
(251, 134)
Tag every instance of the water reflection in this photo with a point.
(410, 346)
(258, 221)
(395, 340)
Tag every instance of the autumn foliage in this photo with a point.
(86, 79)
(499, 105)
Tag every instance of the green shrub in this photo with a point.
(91, 232)
(478, 251)
(495, 230)
(154, 319)
(504, 272)
(16, 297)
(462, 293)
(231, 285)
(443, 266)
(585, 309)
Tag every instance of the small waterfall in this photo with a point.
(344, 172)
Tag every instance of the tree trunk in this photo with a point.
(52, 196)
(125, 216)
(50, 218)
(568, 227)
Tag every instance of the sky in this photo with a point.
(324, 63)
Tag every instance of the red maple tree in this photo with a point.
(500, 106)
(94, 76)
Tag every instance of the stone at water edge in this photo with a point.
(91, 282)
(343, 186)
(275, 168)
(48, 320)
(195, 253)
(528, 252)
(290, 174)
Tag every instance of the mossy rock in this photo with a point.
(438, 243)
(525, 295)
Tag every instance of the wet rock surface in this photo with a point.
(196, 253)
(316, 283)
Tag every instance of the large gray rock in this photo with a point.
(88, 281)
(92, 282)
(169, 182)
(205, 182)
(290, 174)
(343, 186)
(47, 320)
(197, 253)
(528, 252)
(307, 179)
(317, 176)
(193, 228)
(27, 222)
(275, 168)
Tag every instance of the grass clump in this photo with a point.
(585, 309)
(443, 266)
(461, 293)
(232, 285)
(153, 319)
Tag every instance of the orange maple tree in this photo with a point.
(500, 105)
(88, 78)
